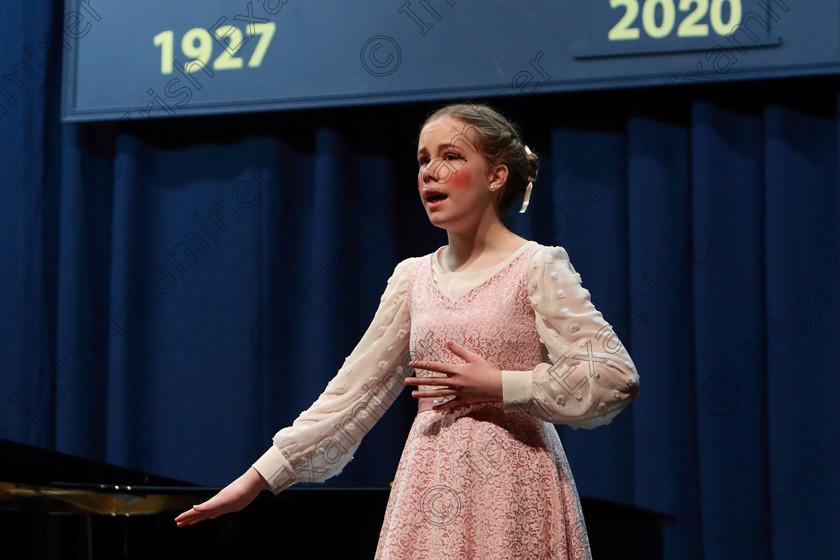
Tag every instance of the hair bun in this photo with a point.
(533, 164)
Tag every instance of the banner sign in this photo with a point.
(130, 60)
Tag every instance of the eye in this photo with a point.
(422, 161)
(454, 157)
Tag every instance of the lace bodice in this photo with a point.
(494, 319)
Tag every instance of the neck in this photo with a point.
(488, 237)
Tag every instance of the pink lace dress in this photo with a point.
(487, 480)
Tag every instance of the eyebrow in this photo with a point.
(440, 147)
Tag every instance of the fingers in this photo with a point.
(443, 387)
(433, 393)
(432, 366)
(453, 380)
(462, 352)
(210, 509)
(191, 517)
(443, 381)
(458, 350)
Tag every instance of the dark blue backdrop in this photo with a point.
(174, 291)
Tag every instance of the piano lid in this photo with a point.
(34, 465)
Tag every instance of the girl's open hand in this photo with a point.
(473, 381)
(232, 497)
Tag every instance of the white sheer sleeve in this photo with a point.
(591, 377)
(322, 440)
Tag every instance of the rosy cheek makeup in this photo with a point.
(460, 178)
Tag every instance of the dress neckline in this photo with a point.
(487, 274)
(439, 266)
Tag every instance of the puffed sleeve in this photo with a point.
(323, 439)
(590, 377)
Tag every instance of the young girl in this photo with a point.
(504, 340)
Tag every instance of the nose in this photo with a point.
(437, 170)
(426, 173)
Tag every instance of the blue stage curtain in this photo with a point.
(174, 291)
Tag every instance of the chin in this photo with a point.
(449, 223)
(436, 221)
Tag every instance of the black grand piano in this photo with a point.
(57, 506)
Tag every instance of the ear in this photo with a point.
(498, 174)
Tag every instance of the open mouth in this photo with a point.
(433, 196)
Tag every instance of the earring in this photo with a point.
(493, 187)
